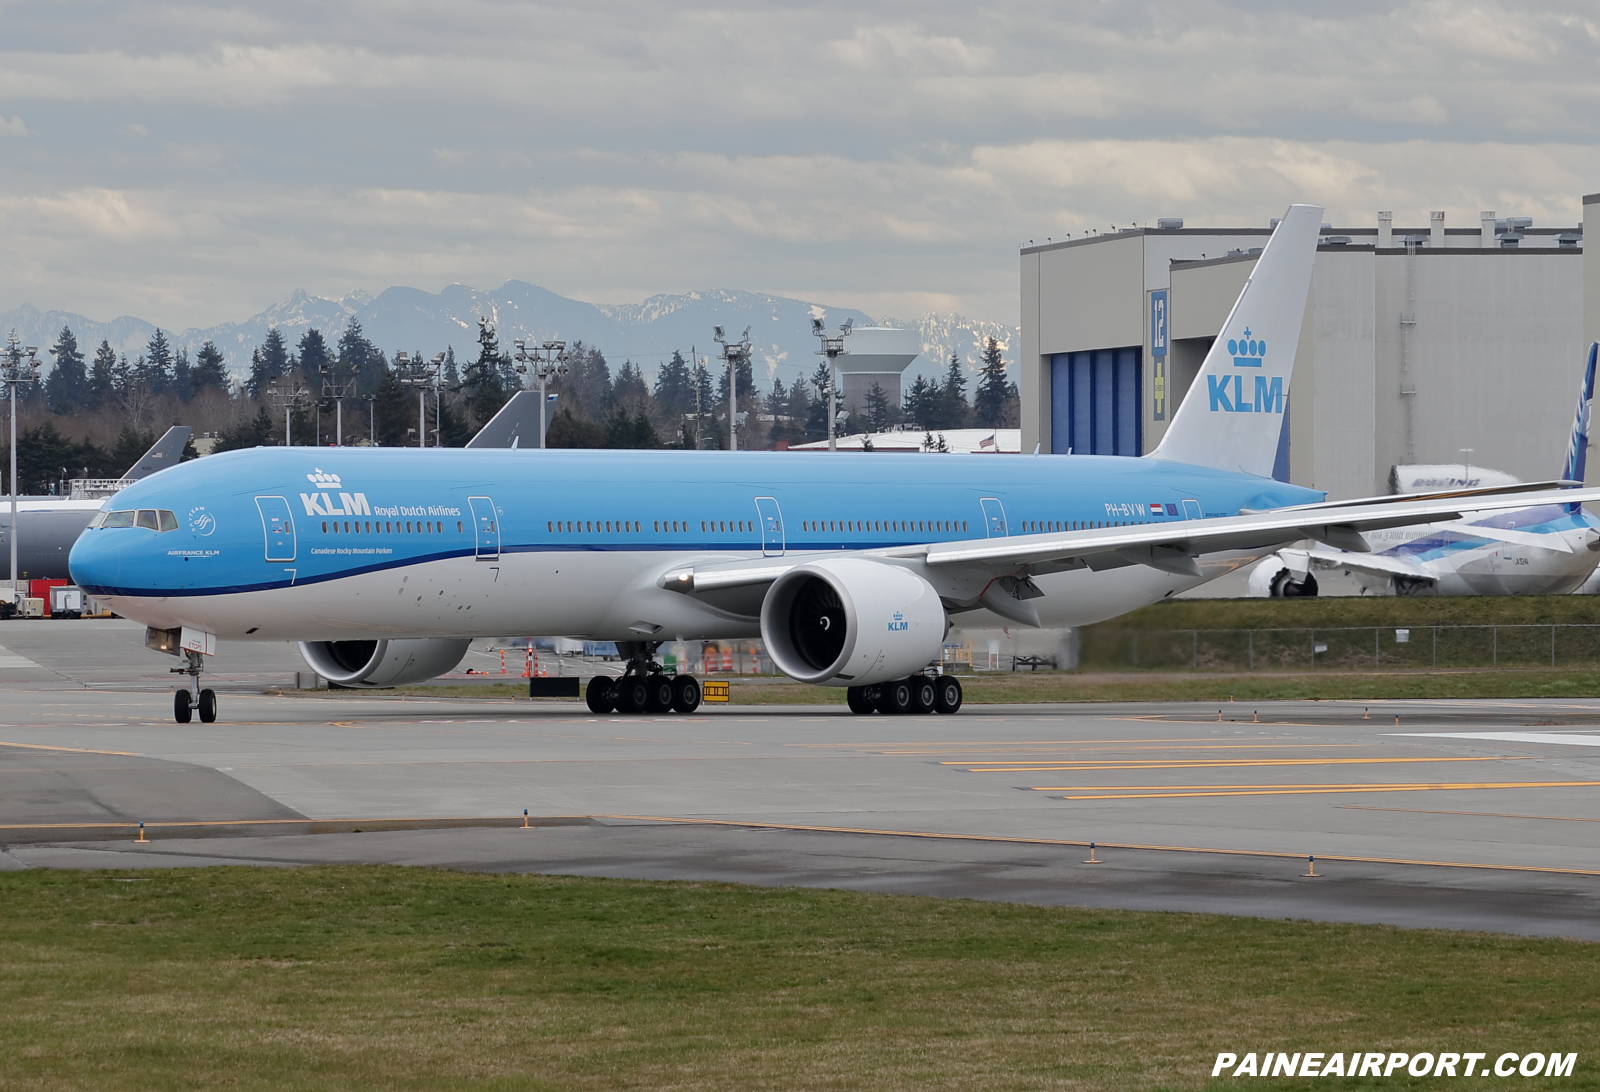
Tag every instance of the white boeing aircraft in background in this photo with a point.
(1546, 549)
(384, 564)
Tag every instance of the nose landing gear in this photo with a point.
(185, 703)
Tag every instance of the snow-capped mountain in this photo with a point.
(646, 333)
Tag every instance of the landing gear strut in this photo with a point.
(917, 694)
(184, 703)
(643, 688)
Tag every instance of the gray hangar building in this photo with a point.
(1417, 343)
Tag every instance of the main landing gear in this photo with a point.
(642, 688)
(916, 694)
(185, 703)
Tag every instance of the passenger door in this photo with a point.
(771, 519)
(1191, 509)
(994, 517)
(277, 524)
(486, 524)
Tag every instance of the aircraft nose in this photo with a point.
(95, 561)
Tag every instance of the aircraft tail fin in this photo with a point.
(1232, 417)
(165, 452)
(1578, 442)
(516, 425)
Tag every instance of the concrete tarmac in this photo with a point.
(1468, 814)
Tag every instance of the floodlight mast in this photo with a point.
(14, 372)
(337, 388)
(832, 348)
(288, 397)
(422, 374)
(546, 360)
(734, 354)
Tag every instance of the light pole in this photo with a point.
(337, 389)
(734, 354)
(832, 348)
(546, 361)
(288, 396)
(1466, 466)
(416, 373)
(14, 372)
(372, 420)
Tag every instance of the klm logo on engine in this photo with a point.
(898, 623)
(1229, 393)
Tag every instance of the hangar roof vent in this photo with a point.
(1169, 223)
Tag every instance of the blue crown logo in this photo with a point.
(1246, 351)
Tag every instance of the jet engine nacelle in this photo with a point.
(382, 663)
(851, 622)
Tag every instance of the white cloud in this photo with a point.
(884, 154)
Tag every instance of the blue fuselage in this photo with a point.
(304, 543)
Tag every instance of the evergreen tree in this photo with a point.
(394, 410)
(630, 430)
(181, 375)
(878, 409)
(953, 396)
(674, 391)
(275, 354)
(452, 370)
(314, 357)
(358, 358)
(919, 406)
(210, 370)
(481, 380)
(102, 388)
(586, 388)
(817, 412)
(158, 361)
(130, 447)
(67, 388)
(260, 377)
(629, 392)
(989, 403)
(566, 430)
(254, 431)
(454, 429)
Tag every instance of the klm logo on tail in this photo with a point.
(1228, 392)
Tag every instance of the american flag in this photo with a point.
(989, 442)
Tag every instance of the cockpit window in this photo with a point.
(153, 519)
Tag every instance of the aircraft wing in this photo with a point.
(1377, 564)
(1168, 546)
(1173, 546)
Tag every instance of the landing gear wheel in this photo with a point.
(923, 695)
(601, 695)
(658, 689)
(182, 707)
(685, 694)
(632, 694)
(859, 700)
(895, 697)
(947, 694)
(208, 706)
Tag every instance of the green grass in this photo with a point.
(369, 977)
(1386, 611)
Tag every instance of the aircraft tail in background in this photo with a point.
(1578, 442)
(1232, 417)
(516, 425)
(165, 452)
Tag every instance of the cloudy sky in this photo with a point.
(193, 163)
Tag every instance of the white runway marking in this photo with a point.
(10, 660)
(1565, 739)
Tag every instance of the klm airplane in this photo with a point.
(384, 564)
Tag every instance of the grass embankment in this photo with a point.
(366, 977)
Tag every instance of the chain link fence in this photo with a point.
(1362, 648)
